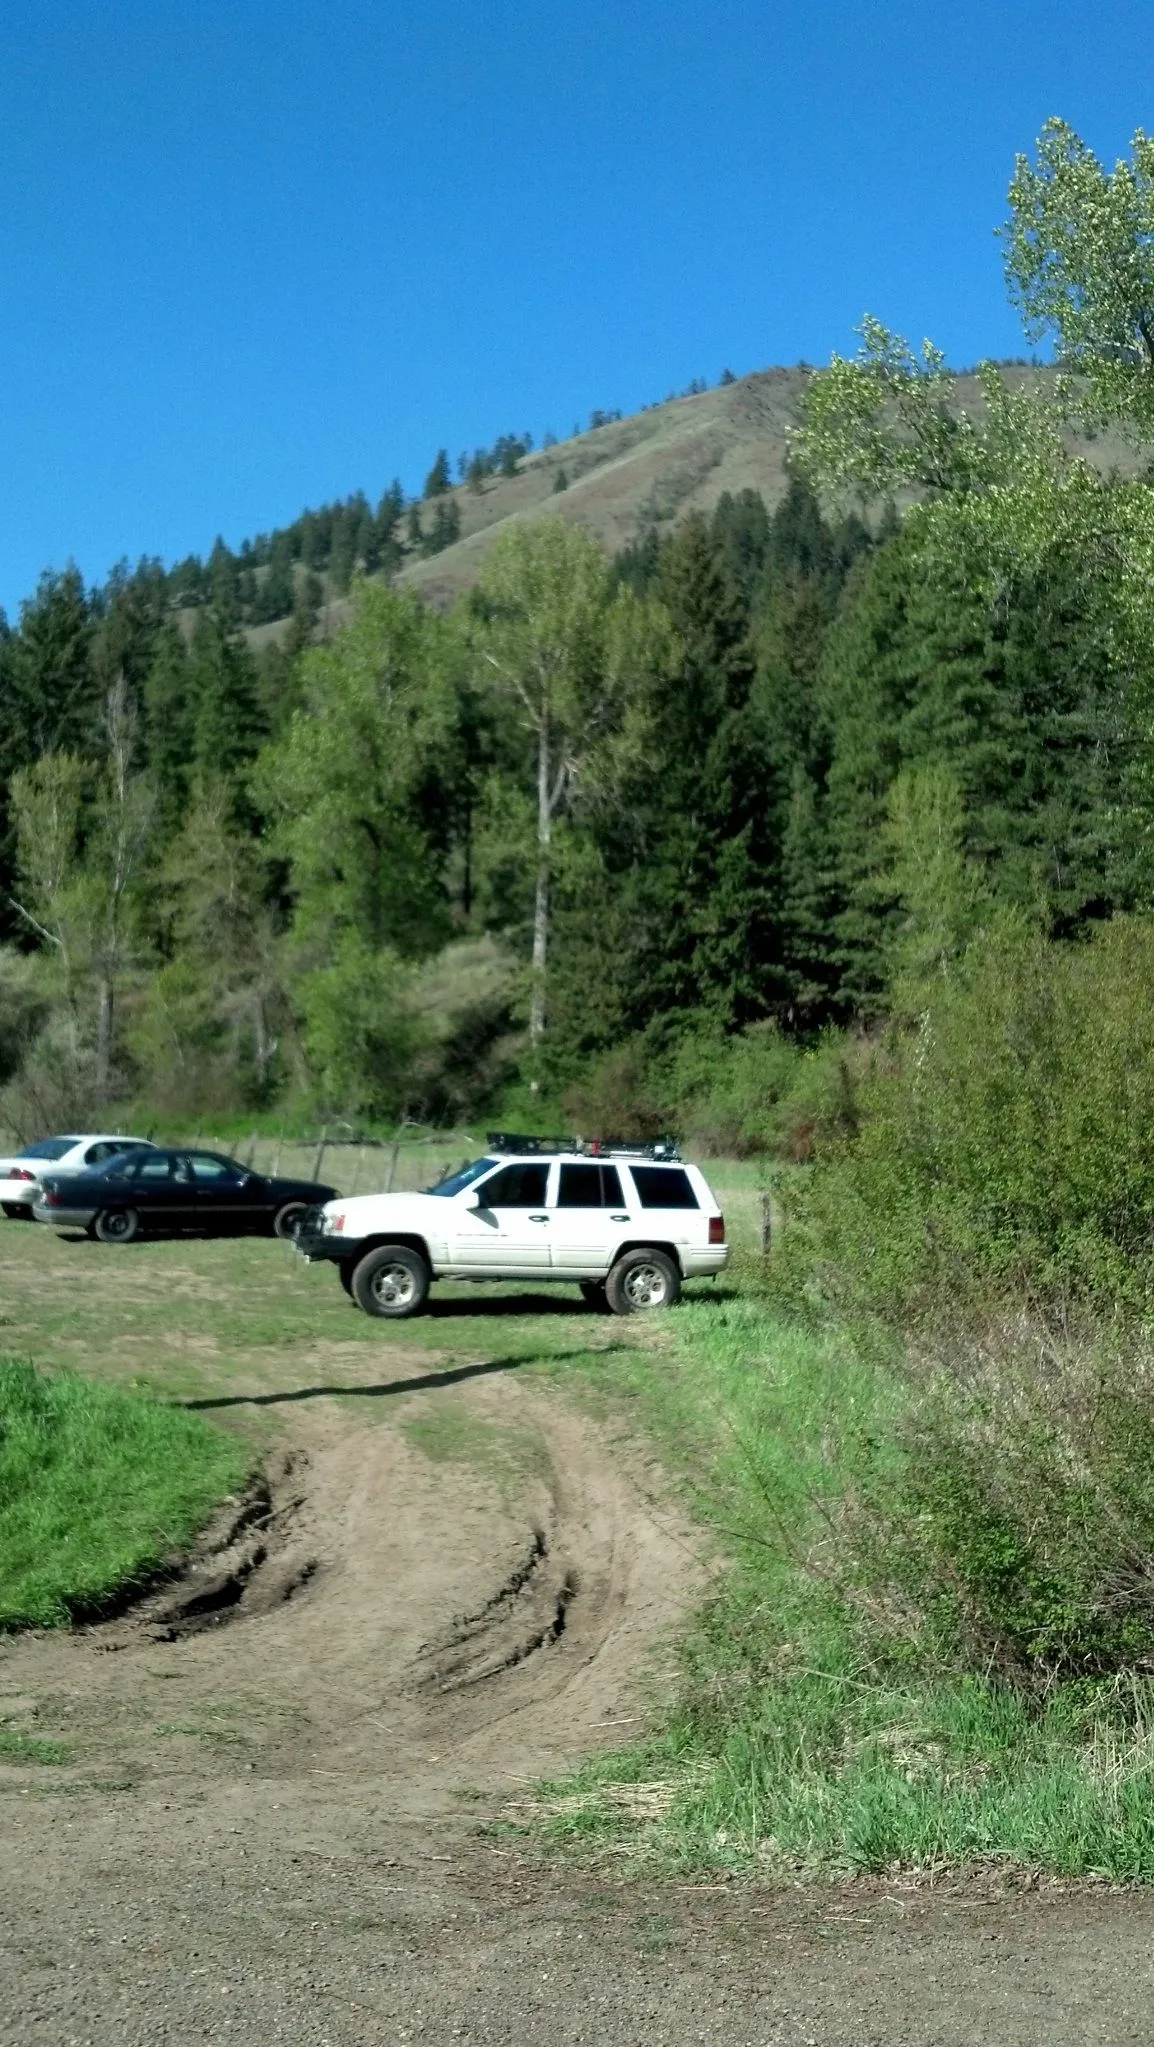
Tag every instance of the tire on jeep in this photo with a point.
(642, 1280)
(391, 1280)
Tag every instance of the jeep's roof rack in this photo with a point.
(502, 1141)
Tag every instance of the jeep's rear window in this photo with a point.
(663, 1187)
(463, 1177)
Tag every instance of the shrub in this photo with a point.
(1005, 1146)
(1016, 1535)
(759, 1092)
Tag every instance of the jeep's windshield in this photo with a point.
(464, 1177)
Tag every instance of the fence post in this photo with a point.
(322, 1147)
(766, 1225)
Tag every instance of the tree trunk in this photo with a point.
(104, 1020)
(261, 1051)
(541, 904)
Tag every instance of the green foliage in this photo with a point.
(843, 1704)
(358, 1035)
(1079, 248)
(760, 1094)
(1005, 1146)
(1022, 1527)
(97, 1487)
(440, 477)
(343, 786)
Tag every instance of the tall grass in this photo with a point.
(97, 1487)
(827, 1714)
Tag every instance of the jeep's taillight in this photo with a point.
(717, 1229)
(337, 1222)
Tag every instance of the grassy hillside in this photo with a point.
(651, 469)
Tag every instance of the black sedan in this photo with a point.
(176, 1190)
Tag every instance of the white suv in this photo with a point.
(626, 1223)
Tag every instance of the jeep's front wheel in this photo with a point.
(391, 1281)
(642, 1280)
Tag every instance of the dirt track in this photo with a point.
(270, 1827)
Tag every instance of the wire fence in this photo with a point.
(353, 1164)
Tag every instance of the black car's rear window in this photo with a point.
(664, 1187)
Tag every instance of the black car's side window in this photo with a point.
(151, 1168)
(209, 1171)
(515, 1187)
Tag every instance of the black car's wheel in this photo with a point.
(288, 1218)
(16, 1211)
(116, 1225)
(346, 1269)
(642, 1280)
(391, 1280)
(593, 1294)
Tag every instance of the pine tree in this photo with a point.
(228, 725)
(440, 477)
(169, 725)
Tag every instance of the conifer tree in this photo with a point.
(440, 477)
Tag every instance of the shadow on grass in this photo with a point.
(510, 1304)
(428, 1382)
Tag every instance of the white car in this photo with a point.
(626, 1223)
(20, 1176)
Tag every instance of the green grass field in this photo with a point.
(781, 1750)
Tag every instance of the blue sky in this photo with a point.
(255, 256)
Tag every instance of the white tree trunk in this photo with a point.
(541, 902)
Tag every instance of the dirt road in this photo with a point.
(271, 1825)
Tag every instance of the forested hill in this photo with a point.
(316, 869)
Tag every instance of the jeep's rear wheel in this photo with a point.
(391, 1281)
(642, 1280)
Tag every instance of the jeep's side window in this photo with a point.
(663, 1187)
(589, 1187)
(515, 1187)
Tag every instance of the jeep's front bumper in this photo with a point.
(315, 1242)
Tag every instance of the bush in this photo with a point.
(1005, 1147)
(1016, 1536)
(759, 1092)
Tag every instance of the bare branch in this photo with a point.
(52, 937)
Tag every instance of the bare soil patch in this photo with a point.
(279, 1813)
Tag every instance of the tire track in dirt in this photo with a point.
(371, 1615)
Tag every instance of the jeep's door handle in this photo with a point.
(619, 1218)
(538, 1218)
